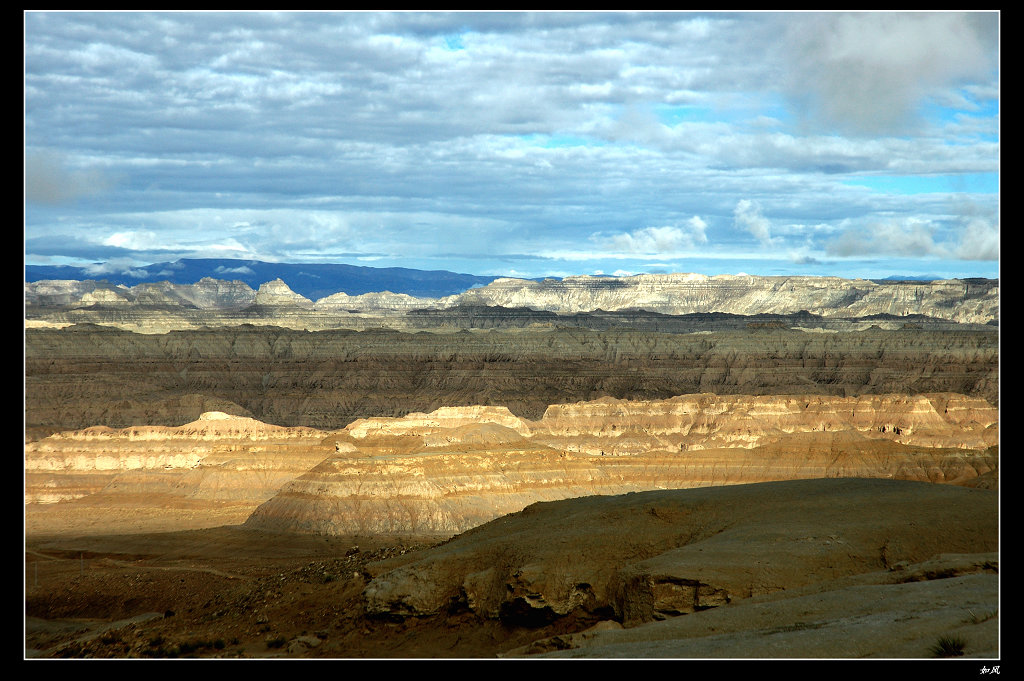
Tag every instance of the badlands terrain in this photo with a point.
(665, 466)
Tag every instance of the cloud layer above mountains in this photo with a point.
(856, 144)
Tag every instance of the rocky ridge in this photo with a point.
(158, 308)
(92, 375)
(957, 300)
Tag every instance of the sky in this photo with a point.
(521, 144)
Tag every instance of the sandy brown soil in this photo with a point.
(227, 592)
(843, 568)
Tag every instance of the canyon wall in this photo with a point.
(431, 416)
(447, 471)
(90, 375)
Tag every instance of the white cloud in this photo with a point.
(801, 258)
(233, 270)
(48, 179)
(970, 238)
(748, 217)
(658, 240)
(980, 240)
(870, 71)
(907, 237)
(115, 266)
(134, 240)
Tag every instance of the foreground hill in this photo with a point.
(839, 568)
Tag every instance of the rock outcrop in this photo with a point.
(640, 558)
(887, 614)
(205, 294)
(277, 294)
(959, 300)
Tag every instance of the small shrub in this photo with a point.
(948, 646)
(978, 619)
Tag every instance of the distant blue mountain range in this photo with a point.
(314, 281)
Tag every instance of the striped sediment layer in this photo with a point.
(443, 472)
(91, 376)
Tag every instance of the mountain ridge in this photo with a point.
(160, 306)
(319, 280)
(311, 280)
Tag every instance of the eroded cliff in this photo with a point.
(217, 458)
(450, 470)
(588, 302)
(440, 473)
(89, 375)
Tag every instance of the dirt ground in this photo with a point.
(137, 581)
(231, 592)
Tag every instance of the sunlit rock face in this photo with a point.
(158, 308)
(444, 472)
(957, 300)
(217, 458)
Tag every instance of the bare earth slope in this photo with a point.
(841, 568)
(653, 556)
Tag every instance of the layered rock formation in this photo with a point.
(88, 375)
(563, 428)
(440, 473)
(453, 469)
(820, 302)
(217, 458)
(975, 301)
